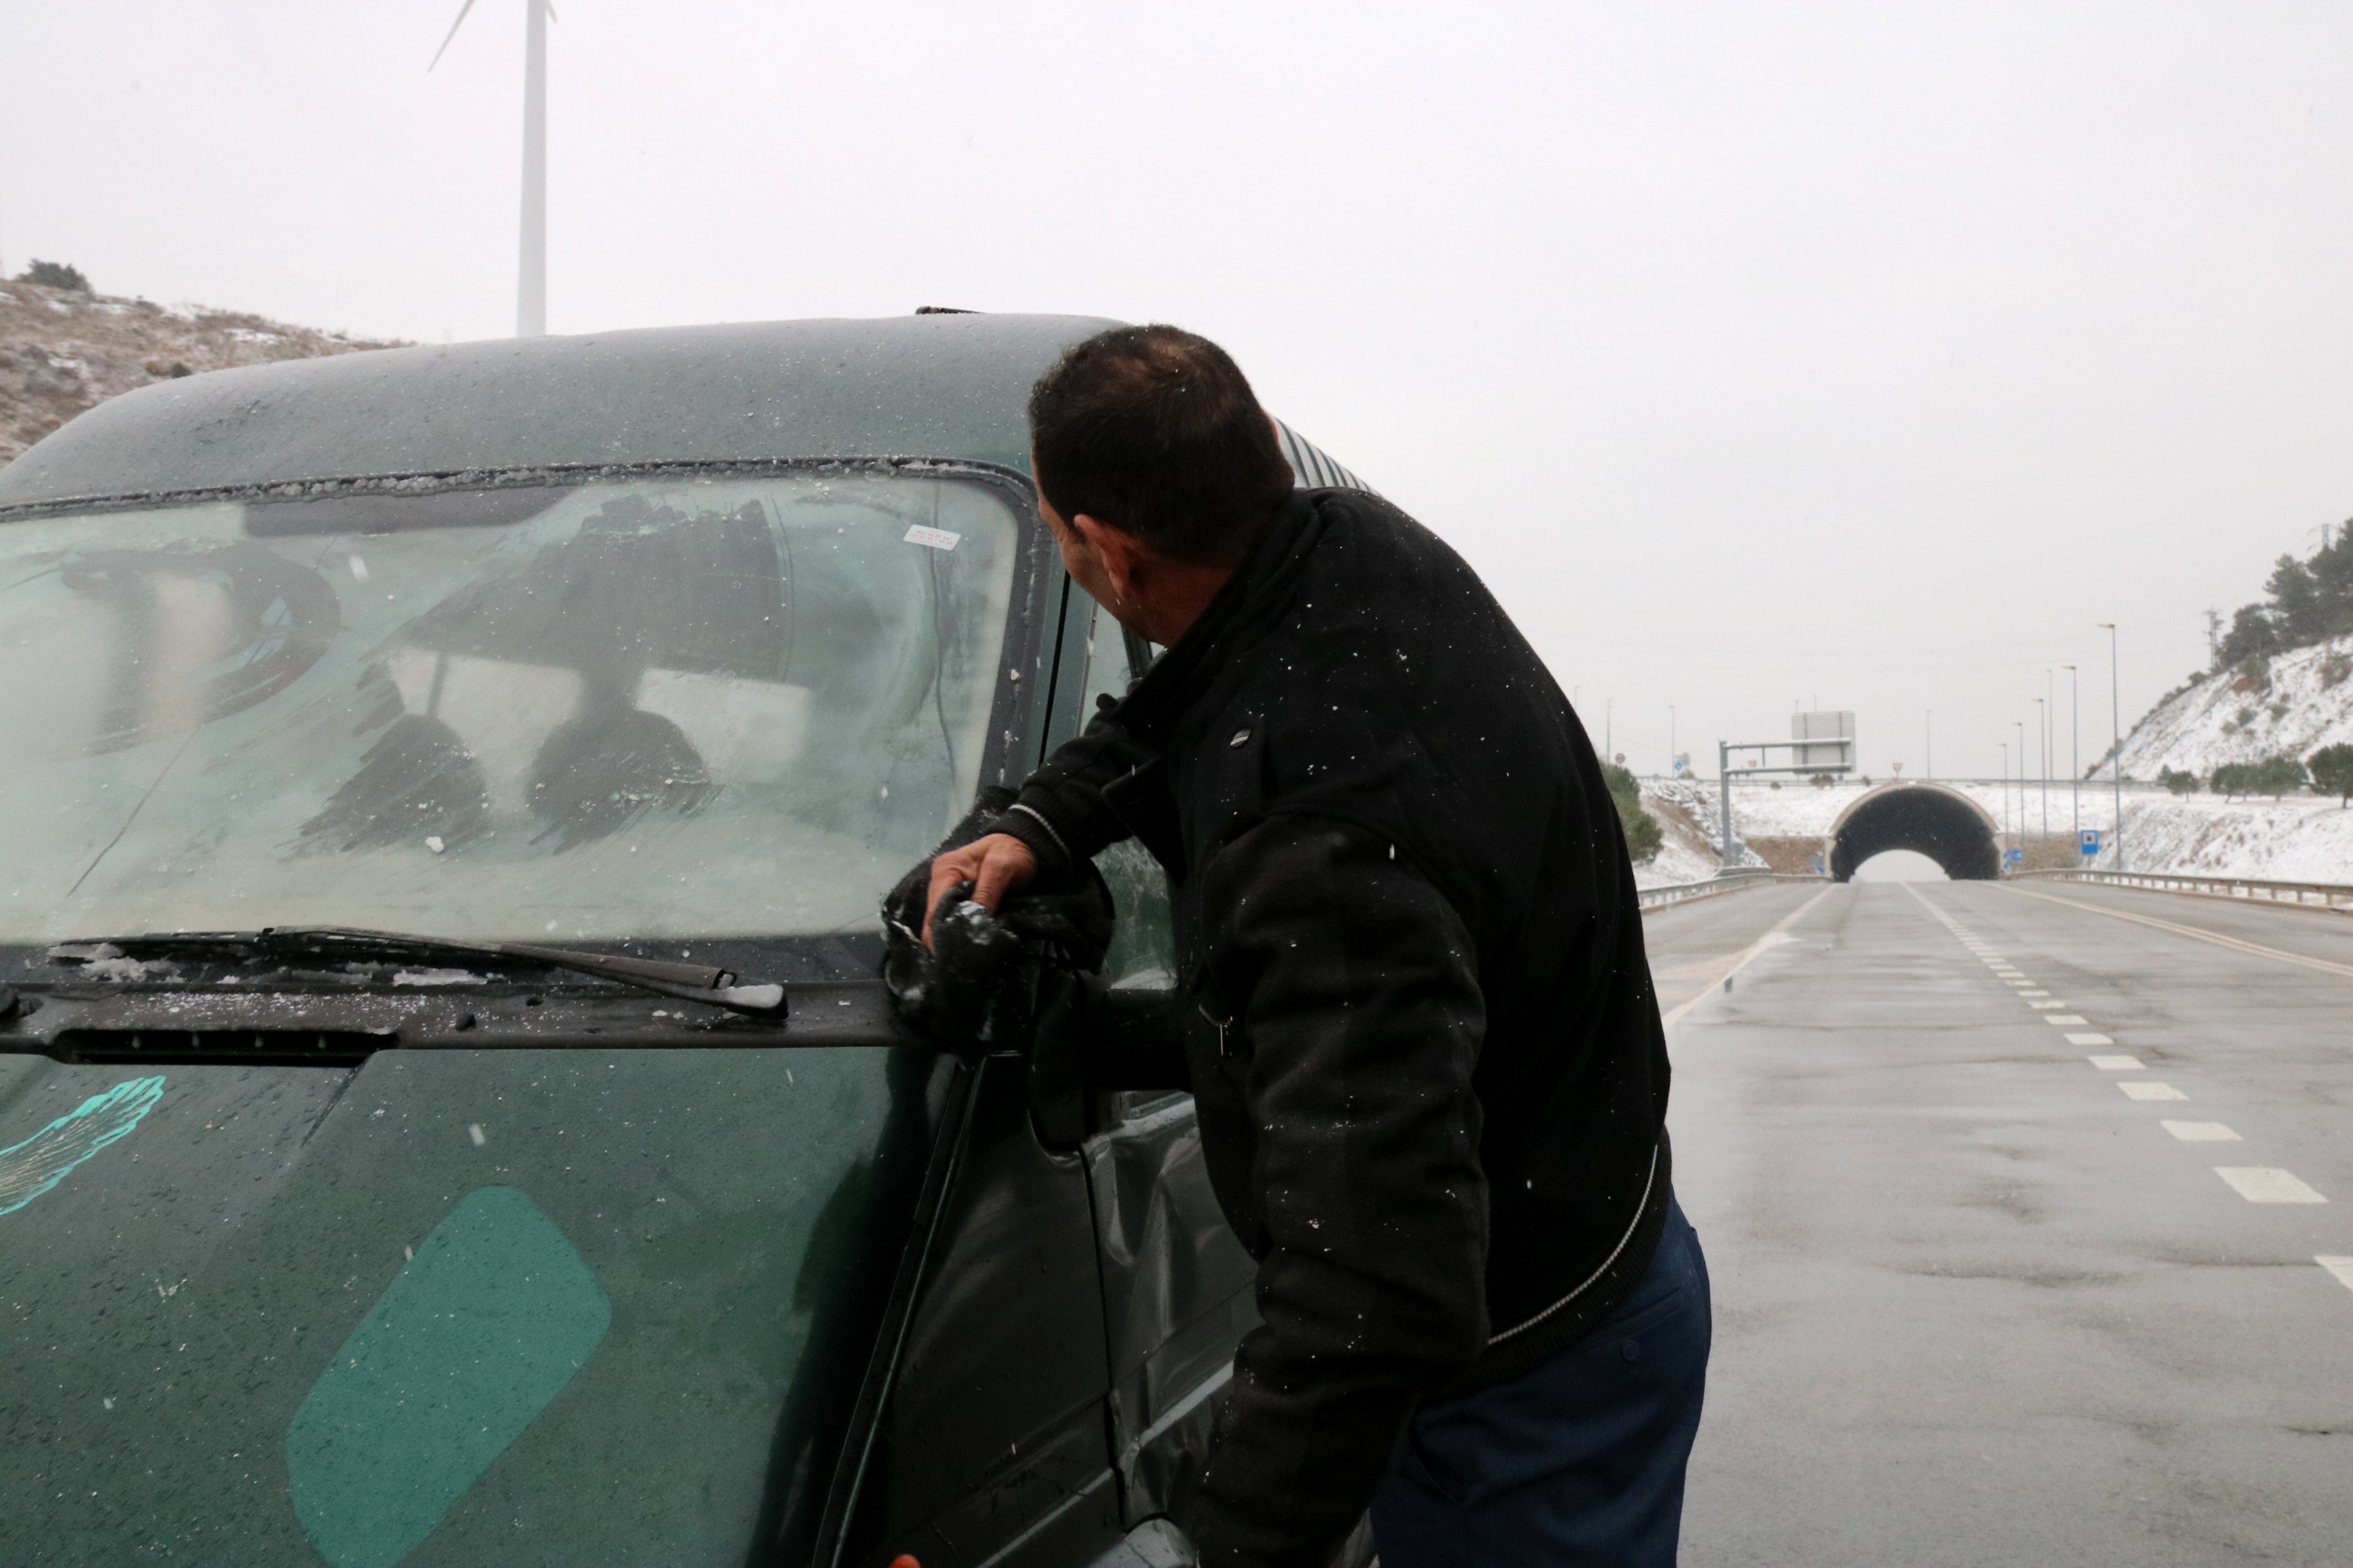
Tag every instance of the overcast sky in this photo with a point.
(1756, 354)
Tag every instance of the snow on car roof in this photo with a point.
(937, 385)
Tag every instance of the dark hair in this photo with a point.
(1155, 431)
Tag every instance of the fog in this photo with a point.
(1757, 354)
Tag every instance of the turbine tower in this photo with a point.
(530, 268)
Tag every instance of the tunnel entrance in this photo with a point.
(1942, 824)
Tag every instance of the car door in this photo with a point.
(1175, 1284)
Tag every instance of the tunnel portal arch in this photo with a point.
(1943, 824)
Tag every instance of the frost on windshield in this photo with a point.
(728, 706)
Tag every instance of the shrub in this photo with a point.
(2332, 772)
(2176, 781)
(1643, 838)
(2229, 779)
(55, 275)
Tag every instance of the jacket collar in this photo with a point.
(1253, 600)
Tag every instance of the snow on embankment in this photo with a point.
(65, 350)
(2292, 705)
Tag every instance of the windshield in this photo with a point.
(654, 707)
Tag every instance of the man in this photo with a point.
(1431, 1075)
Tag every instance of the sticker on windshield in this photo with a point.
(936, 538)
(32, 1167)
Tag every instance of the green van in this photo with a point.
(447, 1113)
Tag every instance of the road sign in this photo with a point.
(2013, 856)
(2089, 841)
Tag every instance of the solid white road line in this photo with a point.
(2340, 1267)
(2065, 1019)
(2217, 938)
(2147, 1089)
(2267, 1184)
(2201, 1132)
(2114, 1064)
(1747, 955)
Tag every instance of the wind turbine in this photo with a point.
(530, 280)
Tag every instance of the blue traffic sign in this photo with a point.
(2089, 840)
(2013, 856)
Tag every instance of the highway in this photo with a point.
(2013, 1197)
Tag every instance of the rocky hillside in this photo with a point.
(62, 350)
(2285, 704)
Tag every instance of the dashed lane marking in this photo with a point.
(2340, 1267)
(2147, 1089)
(2065, 1019)
(2267, 1184)
(2217, 938)
(2045, 1005)
(2115, 1064)
(1747, 955)
(2201, 1132)
(2090, 1040)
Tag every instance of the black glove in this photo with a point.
(956, 990)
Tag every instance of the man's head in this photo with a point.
(1153, 435)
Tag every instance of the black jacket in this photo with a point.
(1432, 1078)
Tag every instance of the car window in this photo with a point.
(1143, 945)
(649, 708)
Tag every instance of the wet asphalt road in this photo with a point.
(1981, 1300)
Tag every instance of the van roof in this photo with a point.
(934, 386)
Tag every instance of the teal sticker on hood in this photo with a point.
(457, 1357)
(31, 1168)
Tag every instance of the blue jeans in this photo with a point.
(1578, 1463)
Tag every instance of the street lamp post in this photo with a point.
(2117, 739)
(2075, 746)
(2019, 725)
(2042, 758)
(2050, 734)
(2005, 807)
(1928, 744)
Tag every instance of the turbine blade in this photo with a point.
(453, 32)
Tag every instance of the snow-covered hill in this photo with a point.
(63, 350)
(2295, 704)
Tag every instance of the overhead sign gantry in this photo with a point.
(1822, 742)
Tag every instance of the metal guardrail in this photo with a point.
(1728, 882)
(2312, 894)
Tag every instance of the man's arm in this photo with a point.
(1359, 1009)
(1058, 822)
(1060, 813)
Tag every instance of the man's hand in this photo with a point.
(996, 866)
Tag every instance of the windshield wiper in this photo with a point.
(706, 983)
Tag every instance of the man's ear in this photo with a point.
(1120, 551)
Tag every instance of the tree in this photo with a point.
(1643, 838)
(2252, 634)
(2332, 772)
(2311, 602)
(55, 275)
(2175, 779)
(2229, 779)
(2275, 776)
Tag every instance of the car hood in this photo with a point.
(445, 1307)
